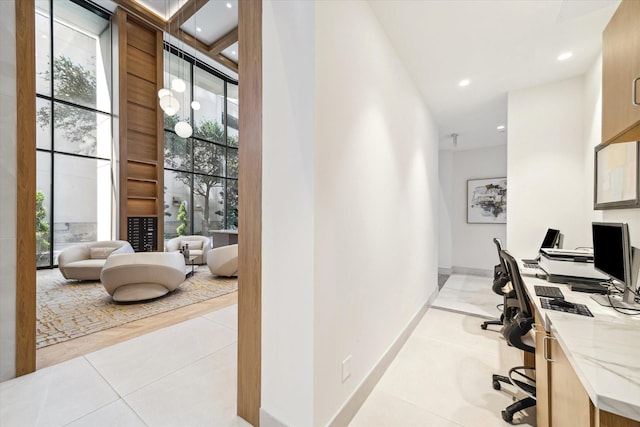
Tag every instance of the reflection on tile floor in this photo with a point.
(469, 294)
(442, 375)
(185, 374)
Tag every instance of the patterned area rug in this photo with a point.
(70, 309)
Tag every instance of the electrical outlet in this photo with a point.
(346, 368)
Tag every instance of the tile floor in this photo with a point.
(171, 377)
(174, 377)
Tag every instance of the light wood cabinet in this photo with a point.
(570, 403)
(542, 376)
(621, 75)
(561, 400)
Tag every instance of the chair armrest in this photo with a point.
(72, 254)
(172, 245)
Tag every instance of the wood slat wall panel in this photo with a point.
(142, 189)
(141, 207)
(141, 119)
(141, 170)
(26, 188)
(141, 38)
(141, 134)
(250, 208)
(141, 92)
(141, 64)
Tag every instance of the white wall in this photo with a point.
(445, 210)
(8, 145)
(376, 204)
(350, 196)
(473, 246)
(554, 128)
(592, 87)
(546, 166)
(288, 210)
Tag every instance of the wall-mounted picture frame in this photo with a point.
(617, 176)
(487, 201)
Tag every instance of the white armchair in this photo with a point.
(198, 246)
(223, 261)
(85, 261)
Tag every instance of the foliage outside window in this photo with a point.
(201, 172)
(73, 117)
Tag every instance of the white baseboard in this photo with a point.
(473, 271)
(443, 270)
(353, 404)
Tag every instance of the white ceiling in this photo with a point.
(499, 45)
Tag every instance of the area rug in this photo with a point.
(70, 309)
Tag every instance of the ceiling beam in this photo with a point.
(203, 48)
(224, 42)
(185, 12)
(226, 62)
(142, 12)
(153, 19)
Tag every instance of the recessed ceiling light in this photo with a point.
(500, 128)
(464, 83)
(229, 5)
(564, 56)
(198, 29)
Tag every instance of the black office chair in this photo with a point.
(518, 321)
(500, 280)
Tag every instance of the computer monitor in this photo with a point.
(612, 256)
(551, 239)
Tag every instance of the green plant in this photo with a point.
(182, 217)
(42, 226)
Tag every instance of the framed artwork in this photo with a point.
(616, 177)
(487, 201)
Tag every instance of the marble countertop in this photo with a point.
(603, 350)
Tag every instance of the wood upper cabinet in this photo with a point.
(621, 75)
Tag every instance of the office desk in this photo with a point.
(603, 351)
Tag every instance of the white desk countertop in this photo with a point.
(603, 350)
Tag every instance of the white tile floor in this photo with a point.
(185, 375)
(182, 375)
(442, 375)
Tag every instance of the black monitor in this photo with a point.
(551, 239)
(612, 256)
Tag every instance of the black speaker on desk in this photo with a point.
(142, 233)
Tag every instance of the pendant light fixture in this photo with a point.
(183, 128)
(195, 105)
(168, 102)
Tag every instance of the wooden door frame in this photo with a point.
(249, 190)
(25, 267)
(250, 208)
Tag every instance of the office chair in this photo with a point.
(518, 321)
(500, 280)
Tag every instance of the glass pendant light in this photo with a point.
(183, 129)
(169, 105)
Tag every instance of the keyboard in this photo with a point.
(548, 291)
(592, 288)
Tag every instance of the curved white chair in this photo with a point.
(223, 261)
(142, 275)
(198, 246)
(85, 261)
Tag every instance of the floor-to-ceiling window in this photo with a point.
(201, 172)
(74, 194)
